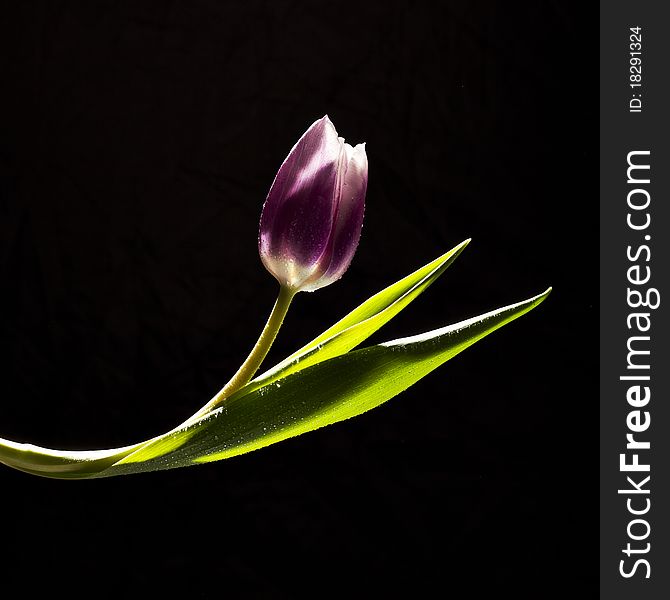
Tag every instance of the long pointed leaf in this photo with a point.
(361, 322)
(325, 393)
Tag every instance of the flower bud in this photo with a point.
(313, 215)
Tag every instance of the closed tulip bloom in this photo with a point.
(313, 215)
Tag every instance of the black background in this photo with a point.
(138, 141)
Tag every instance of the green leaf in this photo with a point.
(324, 393)
(63, 464)
(361, 322)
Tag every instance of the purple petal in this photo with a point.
(297, 216)
(348, 219)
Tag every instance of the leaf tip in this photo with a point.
(454, 252)
(535, 300)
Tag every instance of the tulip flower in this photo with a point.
(309, 230)
(313, 215)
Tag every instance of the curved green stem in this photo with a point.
(257, 354)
